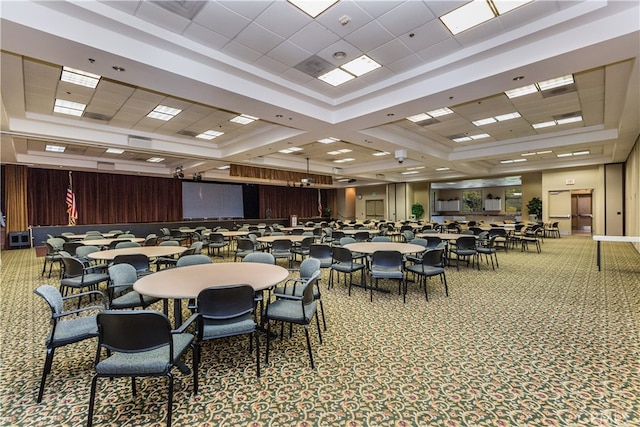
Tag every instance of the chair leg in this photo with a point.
(47, 369)
(306, 333)
(170, 399)
(446, 288)
(92, 398)
(257, 338)
(324, 322)
(195, 349)
(266, 359)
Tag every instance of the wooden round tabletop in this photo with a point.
(150, 251)
(350, 232)
(187, 282)
(443, 236)
(107, 242)
(82, 236)
(232, 233)
(371, 247)
(290, 237)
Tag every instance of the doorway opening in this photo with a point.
(581, 211)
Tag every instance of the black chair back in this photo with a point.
(134, 331)
(386, 259)
(139, 261)
(226, 302)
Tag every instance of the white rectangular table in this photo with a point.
(628, 239)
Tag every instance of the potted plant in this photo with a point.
(327, 212)
(417, 209)
(534, 206)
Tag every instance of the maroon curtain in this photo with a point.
(102, 198)
(300, 201)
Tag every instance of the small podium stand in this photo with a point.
(293, 221)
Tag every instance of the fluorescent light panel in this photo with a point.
(68, 107)
(336, 77)
(163, 112)
(209, 134)
(360, 66)
(328, 140)
(442, 169)
(342, 151)
(224, 167)
(462, 139)
(313, 8)
(290, 150)
(79, 77)
(155, 159)
(243, 119)
(55, 148)
(348, 159)
(380, 153)
(115, 150)
(556, 82)
(476, 12)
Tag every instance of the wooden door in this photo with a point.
(374, 209)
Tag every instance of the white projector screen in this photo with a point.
(206, 200)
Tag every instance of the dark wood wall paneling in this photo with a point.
(104, 198)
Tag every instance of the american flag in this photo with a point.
(72, 209)
(319, 203)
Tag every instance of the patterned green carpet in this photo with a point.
(545, 340)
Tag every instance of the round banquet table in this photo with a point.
(371, 247)
(187, 282)
(107, 242)
(351, 232)
(291, 237)
(150, 251)
(82, 236)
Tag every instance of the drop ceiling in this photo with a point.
(215, 60)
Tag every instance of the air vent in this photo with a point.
(106, 166)
(97, 116)
(559, 91)
(139, 142)
(186, 8)
(188, 133)
(428, 122)
(567, 115)
(314, 66)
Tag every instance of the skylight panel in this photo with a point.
(68, 107)
(361, 65)
(336, 77)
(162, 112)
(313, 8)
(467, 16)
(79, 77)
(243, 119)
(55, 148)
(209, 134)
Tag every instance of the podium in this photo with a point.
(293, 220)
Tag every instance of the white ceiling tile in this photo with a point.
(375, 8)
(297, 76)
(313, 37)
(250, 9)
(125, 6)
(492, 28)
(283, 18)
(442, 7)
(431, 33)
(241, 52)
(340, 46)
(350, 9)
(369, 37)
(528, 13)
(405, 64)
(289, 54)
(271, 65)
(223, 21)
(390, 52)
(411, 14)
(205, 36)
(439, 50)
(258, 38)
(161, 17)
